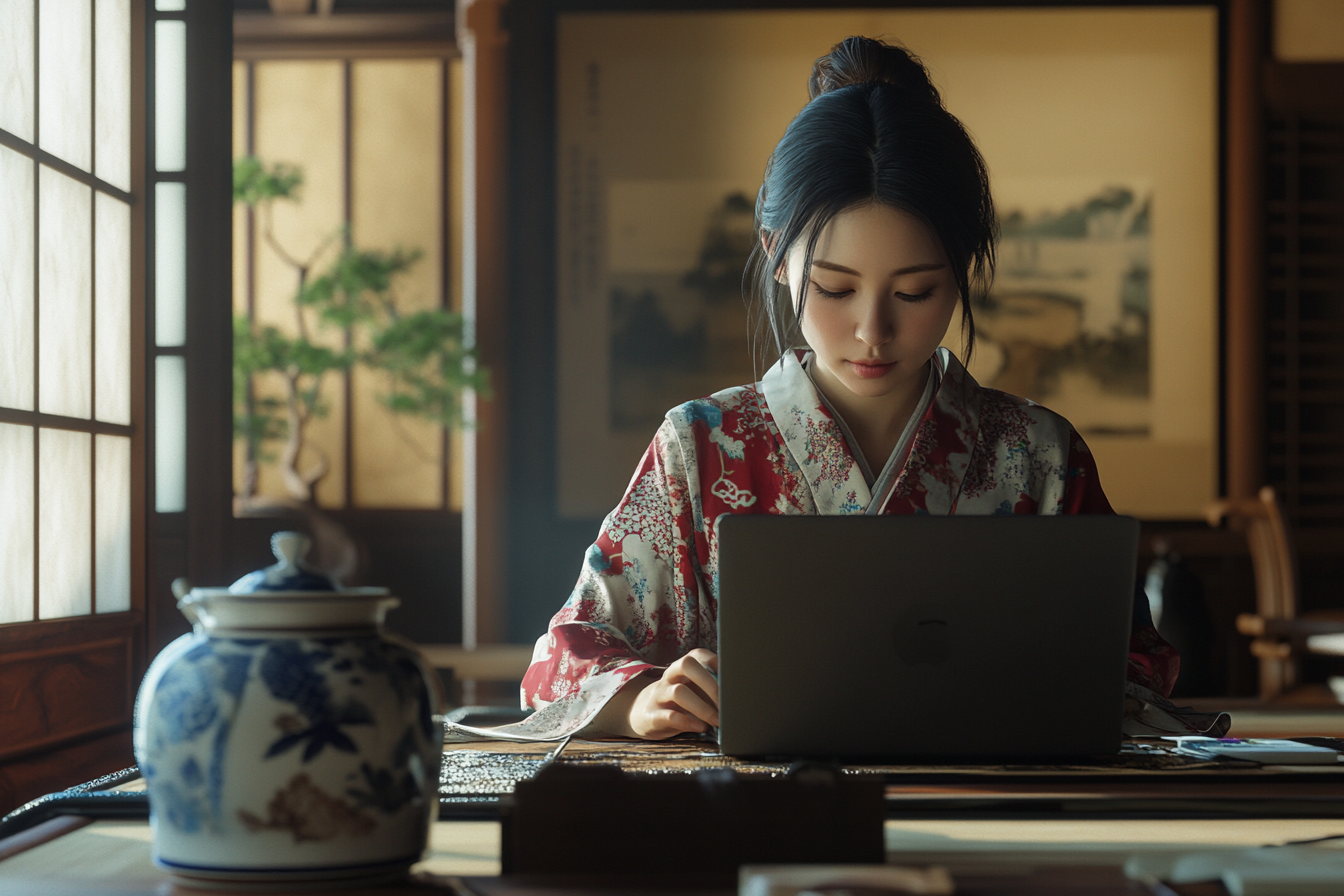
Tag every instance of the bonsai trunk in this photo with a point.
(301, 485)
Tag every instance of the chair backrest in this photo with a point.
(1273, 556)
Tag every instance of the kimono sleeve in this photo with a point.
(1082, 485)
(627, 613)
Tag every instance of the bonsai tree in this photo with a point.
(421, 357)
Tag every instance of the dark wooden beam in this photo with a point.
(1244, 253)
(1304, 85)
(484, 43)
(348, 35)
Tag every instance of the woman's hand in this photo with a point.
(684, 698)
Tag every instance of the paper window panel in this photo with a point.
(112, 92)
(170, 5)
(112, 310)
(16, 68)
(170, 264)
(16, 280)
(16, 523)
(65, 85)
(396, 104)
(170, 96)
(112, 523)
(64, 524)
(65, 283)
(298, 116)
(170, 433)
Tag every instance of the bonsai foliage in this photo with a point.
(420, 356)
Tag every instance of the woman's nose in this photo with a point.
(875, 325)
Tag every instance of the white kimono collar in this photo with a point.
(818, 446)
(813, 439)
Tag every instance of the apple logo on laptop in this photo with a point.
(921, 636)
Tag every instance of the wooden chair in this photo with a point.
(1280, 634)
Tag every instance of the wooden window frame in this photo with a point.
(75, 678)
(347, 60)
(197, 543)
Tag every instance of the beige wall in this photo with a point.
(1309, 30)
(396, 192)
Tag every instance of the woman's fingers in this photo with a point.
(655, 715)
(699, 667)
(684, 698)
(692, 702)
(670, 722)
(707, 658)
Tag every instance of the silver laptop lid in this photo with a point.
(915, 637)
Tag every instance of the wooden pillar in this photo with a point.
(1244, 271)
(484, 45)
(210, 292)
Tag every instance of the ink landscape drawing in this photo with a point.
(1066, 322)
(678, 324)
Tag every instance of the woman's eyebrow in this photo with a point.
(912, 269)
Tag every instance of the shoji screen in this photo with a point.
(66, 324)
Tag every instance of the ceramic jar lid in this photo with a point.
(290, 573)
(285, 597)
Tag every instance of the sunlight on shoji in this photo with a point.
(112, 92)
(396, 168)
(170, 433)
(170, 96)
(64, 79)
(240, 272)
(456, 137)
(65, 275)
(299, 121)
(112, 526)
(112, 310)
(64, 524)
(16, 523)
(398, 460)
(16, 281)
(170, 264)
(170, 5)
(16, 69)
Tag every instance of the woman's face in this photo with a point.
(879, 299)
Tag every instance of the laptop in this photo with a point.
(961, 638)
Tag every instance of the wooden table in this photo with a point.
(1002, 833)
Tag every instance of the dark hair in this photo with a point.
(875, 131)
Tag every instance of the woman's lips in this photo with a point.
(870, 371)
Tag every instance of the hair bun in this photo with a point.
(865, 60)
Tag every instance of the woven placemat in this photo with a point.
(493, 769)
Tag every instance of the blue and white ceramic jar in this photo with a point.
(287, 738)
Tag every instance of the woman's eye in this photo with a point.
(908, 297)
(830, 294)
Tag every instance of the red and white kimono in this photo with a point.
(647, 592)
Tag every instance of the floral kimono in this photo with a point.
(647, 592)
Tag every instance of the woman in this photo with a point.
(876, 223)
